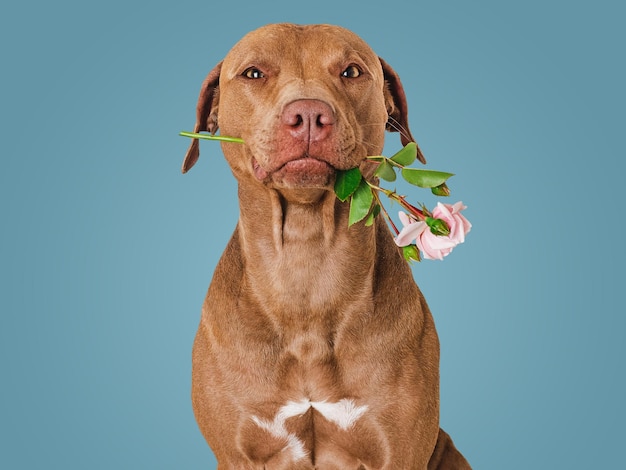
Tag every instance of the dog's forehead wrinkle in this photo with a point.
(290, 45)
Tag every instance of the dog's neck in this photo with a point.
(301, 256)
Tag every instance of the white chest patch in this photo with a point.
(343, 413)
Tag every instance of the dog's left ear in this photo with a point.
(206, 114)
(397, 108)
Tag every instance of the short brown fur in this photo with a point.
(301, 306)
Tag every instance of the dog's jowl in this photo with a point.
(315, 350)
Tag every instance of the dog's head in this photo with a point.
(306, 100)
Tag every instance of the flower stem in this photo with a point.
(419, 214)
(380, 159)
(222, 138)
(385, 213)
(414, 211)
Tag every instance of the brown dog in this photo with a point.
(316, 349)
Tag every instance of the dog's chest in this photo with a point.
(312, 417)
(312, 434)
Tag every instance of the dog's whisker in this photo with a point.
(393, 123)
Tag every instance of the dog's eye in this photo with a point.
(352, 71)
(253, 73)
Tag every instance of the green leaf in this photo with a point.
(372, 215)
(360, 203)
(386, 171)
(407, 155)
(425, 178)
(441, 190)
(346, 183)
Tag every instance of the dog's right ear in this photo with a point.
(397, 107)
(206, 114)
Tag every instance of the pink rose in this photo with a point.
(411, 230)
(435, 246)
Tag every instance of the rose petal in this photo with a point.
(404, 218)
(409, 233)
(425, 244)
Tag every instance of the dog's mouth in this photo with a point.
(306, 165)
(301, 172)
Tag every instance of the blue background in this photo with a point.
(107, 250)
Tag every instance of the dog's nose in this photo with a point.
(308, 120)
